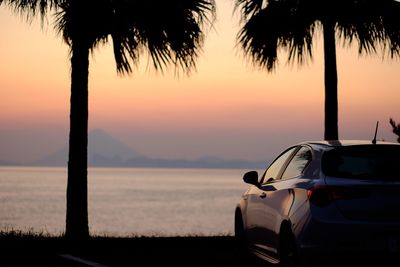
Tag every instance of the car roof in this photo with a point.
(341, 143)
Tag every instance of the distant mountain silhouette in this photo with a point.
(199, 163)
(9, 163)
(103, 150)
(106, 151)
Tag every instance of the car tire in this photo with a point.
(240, 240)
(239, 231)
(288, 253)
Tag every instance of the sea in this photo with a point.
(124, 202)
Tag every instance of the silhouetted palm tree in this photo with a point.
(171, 32)
(269, 25)
(395, 128)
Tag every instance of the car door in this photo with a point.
(280, 200)
(259, 213)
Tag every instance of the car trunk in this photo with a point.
(367, 201)
(364, 181)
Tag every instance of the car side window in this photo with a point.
(277, 165)
(298, 163)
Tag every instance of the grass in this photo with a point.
(34, 249)
(30, 248)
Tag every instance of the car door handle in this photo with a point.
(263, 195)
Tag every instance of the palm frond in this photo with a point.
(391, 24)
(172, 31)
(281, 24)
(30, 8)
(249, 8)
(126, 48)
(373, 24)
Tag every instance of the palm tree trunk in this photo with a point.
(77, 225)
(331, 82)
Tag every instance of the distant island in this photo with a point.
(106, 151)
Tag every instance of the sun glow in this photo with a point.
(224, 99)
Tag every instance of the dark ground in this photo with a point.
(205, 251)
(110, 251)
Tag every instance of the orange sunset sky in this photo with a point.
(225, 108)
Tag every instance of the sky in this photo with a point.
(226, 108)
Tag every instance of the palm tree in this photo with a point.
(269, 25)
(170, 32)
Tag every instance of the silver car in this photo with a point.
(322, 201)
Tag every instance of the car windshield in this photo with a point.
(370, 162)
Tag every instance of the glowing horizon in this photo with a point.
(225, 103)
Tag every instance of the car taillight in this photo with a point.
(324, 195)
(319, 196)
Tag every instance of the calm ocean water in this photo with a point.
(124, 201)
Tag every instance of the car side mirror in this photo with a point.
(251, 178)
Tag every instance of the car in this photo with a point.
(323, 200)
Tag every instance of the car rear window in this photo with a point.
(371, 162)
